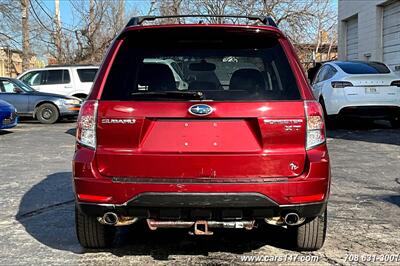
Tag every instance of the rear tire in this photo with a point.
(310, 236)
(47, 113)
(329, 119)
(92, 234)
(395, 122)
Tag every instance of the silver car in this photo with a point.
(48, 108)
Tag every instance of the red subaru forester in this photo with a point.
(201, 126)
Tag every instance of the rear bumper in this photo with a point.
(148, 197)
(370, 112)
(208, 206)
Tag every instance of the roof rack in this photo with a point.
(136, 21)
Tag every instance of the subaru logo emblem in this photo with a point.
(200, 109)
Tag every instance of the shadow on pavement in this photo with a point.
(71, 131)
(47, 213)
(31, 120)
(364, 130)
(162, 243)
(5, 132)
(393, 199)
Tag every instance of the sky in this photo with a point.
(142, 5)
(66, 14)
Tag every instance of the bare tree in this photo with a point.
(10, 32)
(95, 23)
(170, 8)
(25, 34)
(296, 18)
(98, 22)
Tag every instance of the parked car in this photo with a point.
(181, 84)
(8, 115)
(65, 80)
(45, 107)
(358, 89)
(211, 156)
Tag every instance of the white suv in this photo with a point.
(65, 80)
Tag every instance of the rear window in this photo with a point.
(363, 67)
(218, 64)
(87, 74)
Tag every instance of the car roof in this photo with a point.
(61, 67)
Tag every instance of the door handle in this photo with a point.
(67, 86)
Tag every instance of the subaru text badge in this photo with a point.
(200, 109)
(117, 121)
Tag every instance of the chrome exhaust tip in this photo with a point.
(293, 218)
(110, 218)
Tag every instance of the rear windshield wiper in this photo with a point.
(170, 94)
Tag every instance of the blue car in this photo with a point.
(8, 115)
(45, 107)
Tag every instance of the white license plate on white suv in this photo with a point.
(369, 90)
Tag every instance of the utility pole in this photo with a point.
(91, 17)
(25, 34)
(57, 33)
(90, 35)
(121, 13)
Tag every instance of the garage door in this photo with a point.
(352, 38)
(391, 34)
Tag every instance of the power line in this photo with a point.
(35, 15)
(44, 10)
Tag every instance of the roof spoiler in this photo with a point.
(136, 21)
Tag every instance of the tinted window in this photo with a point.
(363, 67)
(87, 74)
(32, 78)
(56, 77)
(222, 65)
(66, 77)
(325, 73)
(330, 72)
(321, 74)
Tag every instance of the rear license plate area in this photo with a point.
(201, 136)
(370, 90)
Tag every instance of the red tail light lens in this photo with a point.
(315, 124)
(86, 129)
(395, 83)
(341, 84)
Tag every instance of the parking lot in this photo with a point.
(37, 218)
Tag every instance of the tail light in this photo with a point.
(395, 83)
(315, 124)
(86, 129)
(341, 84)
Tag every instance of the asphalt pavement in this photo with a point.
(37, 209)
